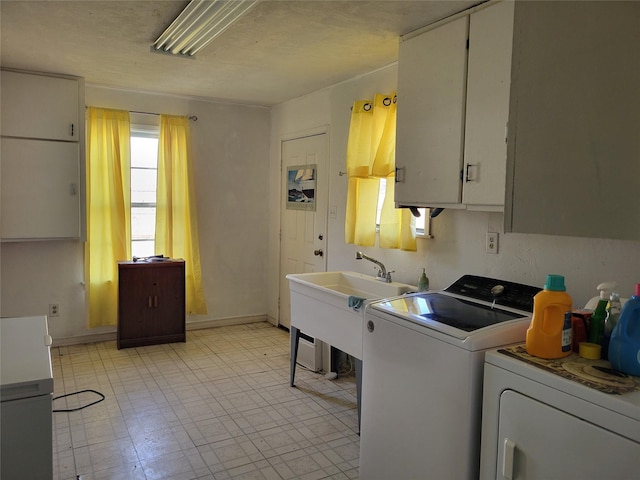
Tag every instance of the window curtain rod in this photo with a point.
(191, 117)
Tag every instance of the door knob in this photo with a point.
(318, 253)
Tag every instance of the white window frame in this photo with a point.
(143, 131)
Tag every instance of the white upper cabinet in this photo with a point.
(40, 189)
(453, 104)
(429, 129)
(574, 130)
(41, 196)
(38, 106)
(488, 85)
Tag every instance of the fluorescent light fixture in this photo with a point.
(199, 24)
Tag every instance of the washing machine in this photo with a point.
(568, 418)
(423, 362)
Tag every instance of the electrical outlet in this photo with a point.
(492, 242)
(54, 310)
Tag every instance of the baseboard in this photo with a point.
(111, 336)
(225, 322)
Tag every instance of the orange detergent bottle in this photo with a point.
(549, 335)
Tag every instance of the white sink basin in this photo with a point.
(319, 305)
(351, 283)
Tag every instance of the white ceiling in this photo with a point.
(281, 49)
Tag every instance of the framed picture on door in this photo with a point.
(301, 187)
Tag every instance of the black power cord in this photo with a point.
(102, 397)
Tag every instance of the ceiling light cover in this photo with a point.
(199, 24)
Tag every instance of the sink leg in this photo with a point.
(295, 341)
(359, 389)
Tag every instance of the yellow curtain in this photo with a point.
(370, 156)
(108, 210)
(176, 221)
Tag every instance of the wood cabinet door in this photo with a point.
(168, 301)
(135, 310)
(431, 93)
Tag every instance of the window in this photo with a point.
(422, 222)
(144, 174)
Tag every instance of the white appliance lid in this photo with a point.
(455, 312)
(24, 350)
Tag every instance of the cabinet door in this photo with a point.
(38, 106)
(488, 84)
(573, 163)
(40, 189)
(135, 303)
(431, 91)
(539, 442)
(168, 301)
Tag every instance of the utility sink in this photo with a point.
(320, 308)
(319, 305)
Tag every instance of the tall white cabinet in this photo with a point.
(453, 105)
(42, 160)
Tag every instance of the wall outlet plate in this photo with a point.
(54, 310)
(492, 242)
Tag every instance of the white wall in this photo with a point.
(231, 162)
(458, 246)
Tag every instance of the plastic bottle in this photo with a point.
(596, 322)
(613, 314)
(549, 335)
(423, 282)
(624, 346)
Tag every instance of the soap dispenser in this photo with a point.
(423, 282)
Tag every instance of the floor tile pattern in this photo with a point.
(216, 407)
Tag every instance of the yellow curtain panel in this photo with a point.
(108, 210)
(176, 220)
(371, 151)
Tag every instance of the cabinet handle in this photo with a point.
(509, 450)
(467, 177)
(72, 130)
(155, 301)
(399, 175)
(149, 301)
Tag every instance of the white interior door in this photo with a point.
(303, 212)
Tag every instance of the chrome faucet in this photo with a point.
(383, 275)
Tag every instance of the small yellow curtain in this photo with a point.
(108, 210)
(176, 220)
(370, 156)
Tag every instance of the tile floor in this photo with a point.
(216, 407)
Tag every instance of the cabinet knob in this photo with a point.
(318, 253)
